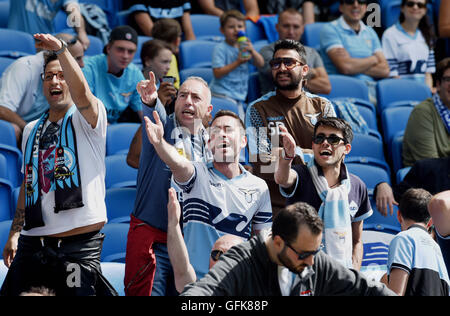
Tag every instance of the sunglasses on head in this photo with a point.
(361, 2)
(215, 254)
(289, 63)
(411, 4)
(332, 139)
(305, 254)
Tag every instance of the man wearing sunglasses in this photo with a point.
(290, 106)
(287, 262)
(340, 197)
(350, 47)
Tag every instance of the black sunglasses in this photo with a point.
(361, 2)
(332, 139)
(215, 254)
(420, 5)
(305, 254)
(289, 63)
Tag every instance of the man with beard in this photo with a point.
(289, 106)
(289, 261)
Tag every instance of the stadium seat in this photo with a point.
(118, 173)
(254, 31)
(14, 160)
(122, 17)
(60, 21)
(206, 26)
(15, 44)
(396, 151)
(381, 223)
(4, 13)
(205, 73)
(3, 167)
(223, 104)
(366, 109)
(95, 46)
(370, 172)
(400, 90)
(7, 134)
(119, 204)
(5, 226)
(5, 199)
(137, 57)
(196, 53)
(367, 146)
(115, 242)
(311, 35)
(254, 90)
(349, 87)
(4, 63)
(394, 120)
(401, 173)
(114, 272)
(119, 136)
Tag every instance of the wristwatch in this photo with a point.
(64, 45)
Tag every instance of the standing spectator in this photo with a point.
(144, 13)
(61, 207)
(350, 47)
(218, 197)
(439, 208)
(230, 62)
(428, 129)
(288, 262)
(276, 7)
(408, 44)
(287, 106)
(147, 269)
(218, 7)
(113, 77)
(21, 96)
(415, 264)
(290, 26)
(36, 16)
(340, 197)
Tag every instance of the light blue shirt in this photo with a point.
(35, 16)
(338, 34)
(116, 93)
(235, 83)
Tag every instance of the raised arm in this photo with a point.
(79, 89)
(439, 209)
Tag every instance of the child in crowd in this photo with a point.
(229, 63)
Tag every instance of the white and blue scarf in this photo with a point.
(443, 111)
(68, 193)
(335, 214)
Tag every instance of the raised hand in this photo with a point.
(147, 90)
(288, 142)
(173, 208)
(47, 42)
(155, 131)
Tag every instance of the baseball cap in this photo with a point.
(122, 33)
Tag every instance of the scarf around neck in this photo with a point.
(443, 111)
(68, 193)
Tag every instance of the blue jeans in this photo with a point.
(163, 283)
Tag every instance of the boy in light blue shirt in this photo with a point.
(230, 66)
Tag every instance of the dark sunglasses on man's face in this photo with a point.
(305, 254)
(215, 254)
(332, 139)
(420, 5)
(289, 63)
(350, 2)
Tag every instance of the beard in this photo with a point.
(293, 85)
(287, 263)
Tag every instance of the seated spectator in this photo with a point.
(408, 44)
(415, 265)
(290, 26)
(179, 258)
(276, 7)
(428, 129)
(37, 17)
(350, 47)
(218, 7)
(113, 77)
(439, 208)
(144, 13)
(444, 19)
(230, 62)
(21, 97)
(340, 197)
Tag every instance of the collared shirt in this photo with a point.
(338, 34)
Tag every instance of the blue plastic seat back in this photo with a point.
(205, 73)
(118, 173)
(346, 86)
(367, 146)
(311, 35)
(115, 242)
(119, 136)
(205, 25)
(393, 121)
(120, 204)
(16, 41)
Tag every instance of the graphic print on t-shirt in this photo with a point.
(47, 147)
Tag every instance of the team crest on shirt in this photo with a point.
(313, 117)
(126, 96)
(250, 195)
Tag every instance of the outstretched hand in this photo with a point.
(288, 142)
(47, 42)
(155, 131)
(147, 90)
(173, 208)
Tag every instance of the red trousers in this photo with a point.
(140, 258)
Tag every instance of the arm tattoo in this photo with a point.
(18, 221)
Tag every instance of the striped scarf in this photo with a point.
(443, 111)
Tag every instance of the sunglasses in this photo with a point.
(289, 63)
(215, 254)
(420, 5)
(332, 139)
(350, 2)
(305, 254)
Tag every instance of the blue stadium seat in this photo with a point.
(400, 90)
(119, 204)
(254, 31)
(369, 172)
(196, 53)
(95, 46)
(60, 21)
(311, 35)
(122, 17)
(4, 13)
(118, 173)
(223, 104)
(396, 151)
(394, 120)
(366, 109)
(349, 87)
(367, 146)
(14, 160)
(114, 272)
(254, 90)
(205, 73)
(5, 199)
(5, 226)
(3, 167)
(206, 26)
(15, 44)
(115, 242)
(119, 136)
(137, 57)
(7, 134)
(380, 223)
(401, 173)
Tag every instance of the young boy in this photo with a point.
(230, 67)
(415, 263)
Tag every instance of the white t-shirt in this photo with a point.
(91, 145)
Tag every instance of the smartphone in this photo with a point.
(168, 79)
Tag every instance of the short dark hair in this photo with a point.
(414, 205)
(289, 220)
(49, 56)
(150, 49)
(231, 14)
(167, 30)
(337, 123)
(291, 44)
(221, 113)
(442, 67)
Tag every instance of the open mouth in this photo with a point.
(55, 92)
(325, 153)
(188, 112)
